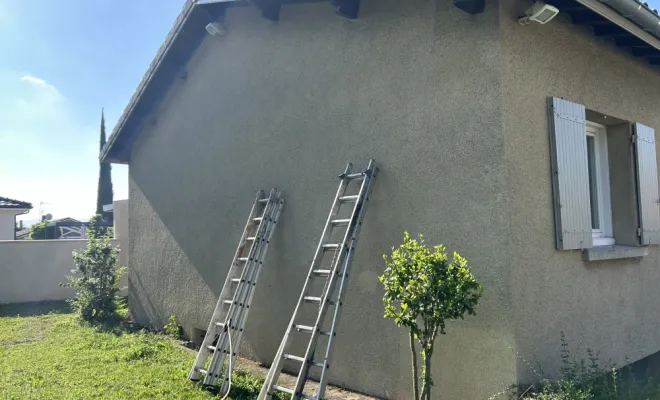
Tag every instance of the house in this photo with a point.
(528, 148)
(9, 209)
(65, 228)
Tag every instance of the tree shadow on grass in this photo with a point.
(34, 309)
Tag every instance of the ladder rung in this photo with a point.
(340, 221)
(355, 175)
(243, 259)
(258, 219)
(251, 239)
(317, 300)
(263, 201)
(349, 198)
(202, 371)
(228, 302)
(324, 272)
(292, 357)
(311, 299)
(304, 328)
(212, 348)
(282, 389)
(329, 246)
(309, 329)
(220, 324)
(236, 280)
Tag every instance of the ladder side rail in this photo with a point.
(323, 380)
(239, 328)
(276, 367)
(332, 280)
(203, 352)
(242, 288)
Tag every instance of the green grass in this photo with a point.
(46, 353)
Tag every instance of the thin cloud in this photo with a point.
(37, 81)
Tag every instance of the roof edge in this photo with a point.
(177, 26)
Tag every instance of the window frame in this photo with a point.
(603, 236)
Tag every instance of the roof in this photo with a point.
(23, 234)
(179, 45)
(631, 24)
(7, 203)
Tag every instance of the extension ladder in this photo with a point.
(225, 330)
(338, 245)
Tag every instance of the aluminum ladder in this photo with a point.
(337, 243)
(233, 305)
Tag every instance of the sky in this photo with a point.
(61, 62)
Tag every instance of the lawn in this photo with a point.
(45, 353)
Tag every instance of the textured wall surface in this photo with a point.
(415, 85)
(31, 270)
(608, 306)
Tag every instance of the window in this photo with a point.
(599, 184)
(604, 179)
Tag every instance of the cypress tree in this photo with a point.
(104, 194)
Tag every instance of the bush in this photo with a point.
(589, 380)
(424, 289)
(95, 279)
(172, 327)
(97, 227)
(38, 230)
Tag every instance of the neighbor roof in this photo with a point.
(6, 203)
(630, 23)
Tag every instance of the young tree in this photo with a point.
(95, 278)
(104, 194)
(424, 289)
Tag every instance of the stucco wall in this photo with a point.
(609, 306)
(31, 270)
(415, 85)
(8, 223)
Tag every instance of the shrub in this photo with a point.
(95, 279)
(589, 380)
(172, 327)
(38, 230)
(97, 227)
(423, 289)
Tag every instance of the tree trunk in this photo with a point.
(414, 366)
(427, 375)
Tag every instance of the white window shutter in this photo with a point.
(570, 174)
(647, 184)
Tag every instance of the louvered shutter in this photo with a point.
(647, 184)
(570, 174)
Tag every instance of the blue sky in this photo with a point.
(60, 63)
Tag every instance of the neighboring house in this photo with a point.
(66, 228)
(529, 149)
(9, 209)
(23, 234)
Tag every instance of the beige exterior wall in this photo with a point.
(453, 108)
(287, 105)
(8, 223)
(608, 306)
(32, 270)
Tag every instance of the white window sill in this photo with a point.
(603, 241)
(598, 253)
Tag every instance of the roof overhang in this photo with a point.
(170, 61)
(630, 24)
(621, 24)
